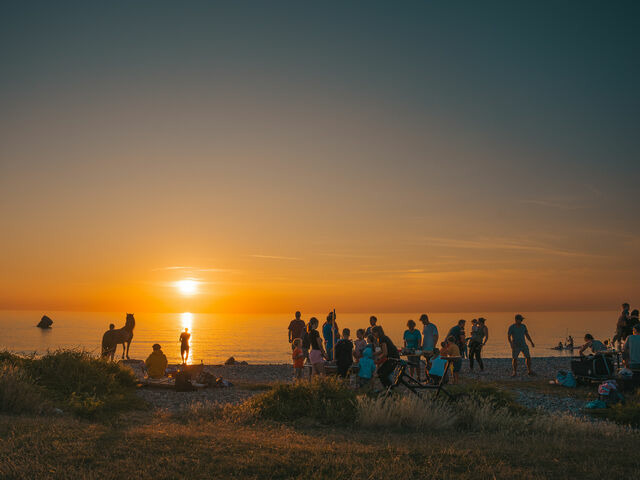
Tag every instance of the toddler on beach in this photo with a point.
(298, 360)
(367, 365)
(359, 345)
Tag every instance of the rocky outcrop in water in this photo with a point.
(45, 322)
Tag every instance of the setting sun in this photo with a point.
(187, 287)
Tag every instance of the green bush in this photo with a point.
(77, 381)
(325, 400)
(19, 393)
(72, 371)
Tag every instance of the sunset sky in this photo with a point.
(284, 155)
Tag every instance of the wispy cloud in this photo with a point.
(554, 203)
(503, 244)
(192, 269)
(274, 257)
(348, 255)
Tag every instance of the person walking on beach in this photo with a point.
(516, 335)
(372, 323)
(296, 329)
(331, 334)
(478, 339)
(184, 345)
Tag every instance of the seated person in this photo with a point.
(595, 345)
(438, 364)
(156, 362)
(450, 349)
(631, 349)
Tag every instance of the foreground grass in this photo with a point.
(157, 447)
(69, 380)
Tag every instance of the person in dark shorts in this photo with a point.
(389, 355)
(478, 339)
(296, 329)
(516, 335)
(344, 353)
(412, 341)
(184, 345)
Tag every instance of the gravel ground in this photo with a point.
(550, 403)
(246, 377)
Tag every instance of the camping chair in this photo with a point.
(401, 377)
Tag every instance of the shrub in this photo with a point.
(73, 371)
(19, 393)
(77, 381)
(325, 400)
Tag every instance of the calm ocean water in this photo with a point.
(263, 338)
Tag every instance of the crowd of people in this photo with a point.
(374, 352)
(372, 348)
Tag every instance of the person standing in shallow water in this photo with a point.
(516, 335)
(184, 345)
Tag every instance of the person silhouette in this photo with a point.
(184, 345)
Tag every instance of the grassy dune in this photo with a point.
(313, 431)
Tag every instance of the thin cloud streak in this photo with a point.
(553, 204)
(192, 269)
(275, 257)
(503, 244)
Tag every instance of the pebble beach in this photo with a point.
(249, 380)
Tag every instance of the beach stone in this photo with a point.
(230, 361)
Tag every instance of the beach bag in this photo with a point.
(605, 388)
(183, 382)
(566, 379)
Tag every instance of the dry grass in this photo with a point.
(18, 393)
(150, 446)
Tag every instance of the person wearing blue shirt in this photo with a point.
(330, 334)
(412, 341)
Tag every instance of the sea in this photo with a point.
(262, 339)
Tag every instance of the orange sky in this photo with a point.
(293, 161)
